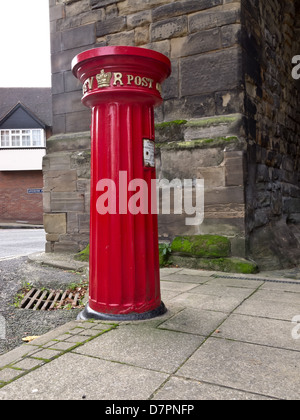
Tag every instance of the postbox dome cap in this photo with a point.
(116, 54)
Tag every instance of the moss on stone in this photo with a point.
(164, 254)
(172, 130)
(201, 122)
(207, 246)
(225, 265)
(208, 122)
(231, 265)
(170, 124)
(198, 144)
(83, 255)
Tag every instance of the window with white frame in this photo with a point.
(22, 138)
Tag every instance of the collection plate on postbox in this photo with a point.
(149, 153)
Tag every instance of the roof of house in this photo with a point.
(37, 100)
(21, 117)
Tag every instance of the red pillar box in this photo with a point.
(122, 85)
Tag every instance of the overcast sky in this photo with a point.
(24, 43)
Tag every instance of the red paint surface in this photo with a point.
(124, 259)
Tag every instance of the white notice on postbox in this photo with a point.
(149, 157)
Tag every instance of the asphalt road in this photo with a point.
(15, 271)
(18, 323)
(21, 242)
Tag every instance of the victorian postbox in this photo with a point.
(122, 85)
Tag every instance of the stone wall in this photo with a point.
(66, 169)
(231, 107)
(200, 36)
(272, 129)
(211, 149)
(217, 156)
(202, 40)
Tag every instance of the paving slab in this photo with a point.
(172, 309)
(66, 328)
(223, 338)
(184, 278)
(64, 261)
(293, 273)
(47, 354)
(247, 367)
(195, 321)
(60, 346)
(168, 295)
(170, 290)
(236, 282)
(199, 273)
(186, 389)
(208, 302)
(282, 287)
(222, 291)
(9, 374)
(278, 296)
(144, 346)
(17, 354)
(263, 331)
(167, 271)
(75, 377)
(255, 306)
(27, 364)
(178, 287)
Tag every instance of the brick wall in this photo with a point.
(16, 203)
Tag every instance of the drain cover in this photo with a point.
(44, 300)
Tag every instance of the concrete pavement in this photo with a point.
(224, 336)
(20, 242)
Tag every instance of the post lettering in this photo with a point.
(118, 79)
(88, 85)
(130, 79)
(150, 83)
(103, 80)
(138, 81)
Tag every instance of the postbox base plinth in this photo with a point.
(89, 313)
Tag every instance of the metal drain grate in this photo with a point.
(44, 300)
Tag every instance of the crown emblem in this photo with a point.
(103, 79)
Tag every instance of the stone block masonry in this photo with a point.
(66, 171)
(197, 50)
(215, 151)
(228, 58)
(272, 127)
